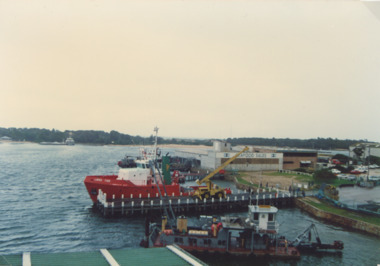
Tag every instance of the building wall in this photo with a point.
(369, 149)
(293, 160)
(209, 161)
(245, 162)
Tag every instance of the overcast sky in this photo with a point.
(196, 69)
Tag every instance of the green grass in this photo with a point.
(300, 177)
(342, 212)
(305, 178)
(243, 181)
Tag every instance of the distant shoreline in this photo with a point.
(174, 146)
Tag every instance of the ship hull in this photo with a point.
(223, 244)
(117, 189)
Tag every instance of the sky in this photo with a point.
(196, 69)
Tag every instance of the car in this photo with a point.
(335, 171)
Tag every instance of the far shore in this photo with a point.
(172, 146)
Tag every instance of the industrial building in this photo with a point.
(297, 158)
(256, 159)
(248, 161)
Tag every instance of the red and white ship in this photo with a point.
(136, 181)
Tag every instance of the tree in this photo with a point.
(324, 175)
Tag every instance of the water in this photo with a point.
(45, 208)
(359, 195)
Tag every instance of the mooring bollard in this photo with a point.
(148, 195)
(131, 196)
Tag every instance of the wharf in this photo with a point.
(168, 256)
(184, 204)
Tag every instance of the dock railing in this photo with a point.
(233, 202)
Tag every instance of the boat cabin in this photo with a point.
(263, 217)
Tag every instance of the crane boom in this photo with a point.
(211, 190)
(207, 178)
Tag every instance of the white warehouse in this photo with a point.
(247, 161)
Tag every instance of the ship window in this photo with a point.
(222, 242)
(207, 241)
(255, 216)
(270, 217)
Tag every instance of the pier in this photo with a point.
(233, 202)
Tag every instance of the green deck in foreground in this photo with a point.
(138, 256)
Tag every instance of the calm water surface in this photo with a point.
(45, 207)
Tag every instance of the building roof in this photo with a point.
(135, 256)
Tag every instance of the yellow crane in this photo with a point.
(212, 190)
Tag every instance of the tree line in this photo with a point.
(114, 137)
(316, 143)
(90, 137)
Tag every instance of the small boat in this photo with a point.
(256, 234)
(70, 141)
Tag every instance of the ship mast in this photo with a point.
(155, 143)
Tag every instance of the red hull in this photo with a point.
(113, 187)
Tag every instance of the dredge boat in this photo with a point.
(256, 234)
